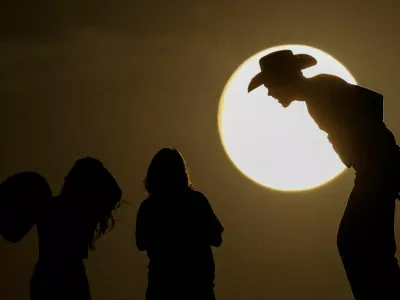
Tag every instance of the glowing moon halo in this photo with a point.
(280, 148)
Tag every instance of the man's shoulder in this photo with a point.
(328, 81)
(364, 92)
(332, 81)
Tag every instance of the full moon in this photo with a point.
(279, 148)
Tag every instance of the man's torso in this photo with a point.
(352, 116)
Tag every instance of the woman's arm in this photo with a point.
(141, 229)
(213, 226)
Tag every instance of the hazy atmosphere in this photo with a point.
(120, 80)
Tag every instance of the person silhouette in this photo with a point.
(176, 226)
(352, 116)
(67, 225)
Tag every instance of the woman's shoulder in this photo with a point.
(199, 198)
(149, 203)
(145, 203)
(190, 195)
(197, 194)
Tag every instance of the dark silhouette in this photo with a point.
(68, 225)
(22, 197)
(352, 116)
(177, 227)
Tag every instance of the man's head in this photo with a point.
(281, 73)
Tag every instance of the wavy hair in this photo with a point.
(92, 190)
(167, 173)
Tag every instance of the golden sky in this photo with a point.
(119, 80)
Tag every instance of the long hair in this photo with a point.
(89, 188)
(167, 173)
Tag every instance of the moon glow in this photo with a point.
(279, 148)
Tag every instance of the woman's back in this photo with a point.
(177, 231)
(177, 227)
(62, 233)
(68, 227)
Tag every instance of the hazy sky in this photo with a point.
(120, 79)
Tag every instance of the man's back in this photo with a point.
(352, 116)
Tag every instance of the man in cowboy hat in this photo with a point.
(352, 116)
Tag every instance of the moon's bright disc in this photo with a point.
(280, 148)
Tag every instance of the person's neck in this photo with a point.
(303, 90)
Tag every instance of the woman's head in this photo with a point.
(91, 190)
(167, 172)
(82, 178)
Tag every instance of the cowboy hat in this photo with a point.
(276, 64)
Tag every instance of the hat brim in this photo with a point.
(255, 82)
(303, 61)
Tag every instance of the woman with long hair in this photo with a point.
(176, 226)
(68, 225)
